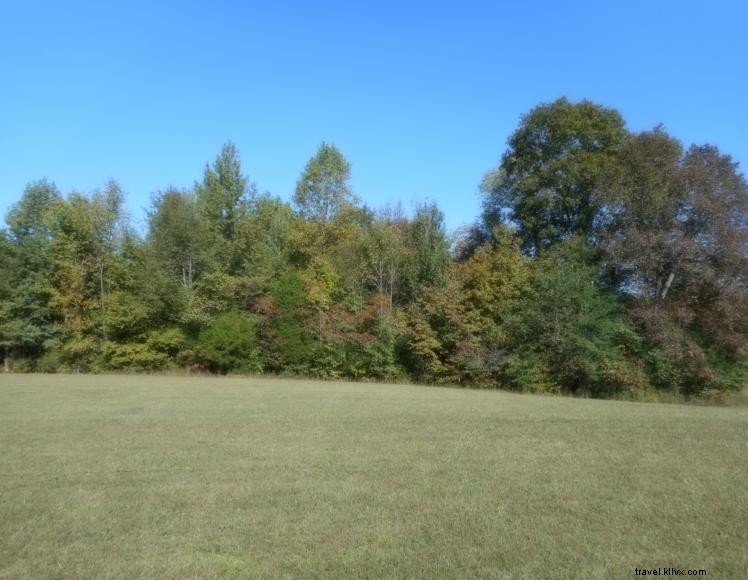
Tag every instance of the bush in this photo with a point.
(528, 374)
(379, 356)
(328, 361)
(50, 362)
(166, 340)
(134, 356)
(230, 344)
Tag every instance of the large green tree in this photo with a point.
(86, 249)
(27, 323)
(568, 331)
(224, 197)
(547, 180)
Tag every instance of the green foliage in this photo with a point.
(27, 321)
(177, 235)
(125, 316)
(547, 181)
(156, 349)
(264, 237)
(230, 344)
(380, 353)
(87, 238)
(224, 197)
(133, 356)
(573, 327)
(289, 338)
(729, 373)
(527, 371)
(78, 352)
(213, 293)
(225, 193)
(494, 280)
(50, 362)
(28, 219)
(328, 360)
(169, 340)
(626, 274)
(441, 342)
(323, 189)
(427, 262)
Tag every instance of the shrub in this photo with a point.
(230, 344)
(133, 356)
(166, 340)
(50, 362)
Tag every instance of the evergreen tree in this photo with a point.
(27, 323)
(224, 197)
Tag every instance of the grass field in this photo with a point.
(170, 477)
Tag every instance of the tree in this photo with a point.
(381, 256)
(494, 281)
(107, 220)
(441, 342)
(428, 251)
(27, 323)
(224, 197)
(175, 232)
(547, 180)
(644, 196)
(264, 238)
(676, 241)
(288, 338)
(229, 344)
(569, 333)
(87, 237)
(323, 189)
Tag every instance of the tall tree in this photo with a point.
(108, 228)
(224, 196)
(264, 238)
(677, 241)
(428, 250)
(494, 281)
(383, 259)
(323, 189)
(546, 182)
(86, 249)
(175, 231)
(27, 323)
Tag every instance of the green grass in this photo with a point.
(177, 477)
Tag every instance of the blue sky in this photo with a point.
(420, 96)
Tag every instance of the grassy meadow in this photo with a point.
(184, 477)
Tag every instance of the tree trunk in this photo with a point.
(669, 281)
(101, 300)
(6, 362)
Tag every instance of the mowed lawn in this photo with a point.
(177, 477)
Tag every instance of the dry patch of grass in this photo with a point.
(176, 477)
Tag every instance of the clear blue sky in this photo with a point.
(420, 96)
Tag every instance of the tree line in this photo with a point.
(604, 263)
